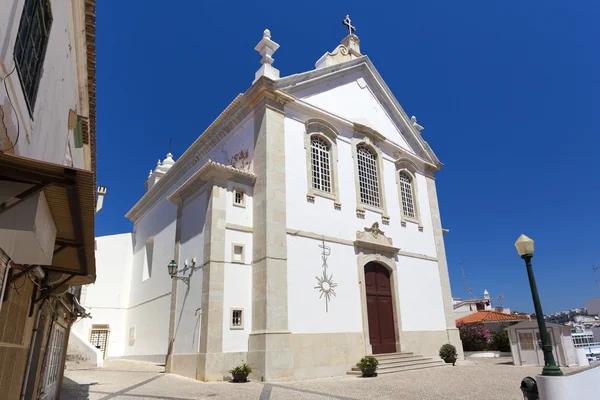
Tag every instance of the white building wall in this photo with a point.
(189, 298)
(149, 301)
(321, 217)
(43, 134)
(350, 97)
(237, 294)
(306, 311)
(114, 258)
(421, 304)
(417, 276)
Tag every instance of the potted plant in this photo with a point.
(448, 353)
(241, 372)
(368, 366)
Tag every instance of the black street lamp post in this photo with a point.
(524, 246)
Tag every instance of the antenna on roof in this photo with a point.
(469, 290)
(594, 268)
(500, 299)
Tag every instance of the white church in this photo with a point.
(298, 233)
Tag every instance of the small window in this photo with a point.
(368, 180)
(239, 198)
(408, 205)
(148, 259)
(319, 156)
(31, 44)
(237, 318)
(526, 340)
(132, 335)
(237, 255)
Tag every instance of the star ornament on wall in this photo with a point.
(326, 287)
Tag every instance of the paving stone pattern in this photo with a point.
(132, 380)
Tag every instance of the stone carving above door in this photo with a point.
(374, 238)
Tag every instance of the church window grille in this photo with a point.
(367, 176)
(239, 197)
(321, 171)
(406, 189)
(237, 318)
(31, 44)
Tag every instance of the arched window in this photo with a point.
(367, 176)
(406, 190)
(321, 170)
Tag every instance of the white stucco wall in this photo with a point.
(321, 217)
(306, 312)
(44, 134)
(149, 300)
(189, 298)
(107, 299)
(419, 281)
(421, 304)
(350, 96)
(237, 294)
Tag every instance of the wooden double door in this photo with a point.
(380, 309)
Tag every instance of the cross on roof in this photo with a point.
(346, 22)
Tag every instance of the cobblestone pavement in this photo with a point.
(132, 380)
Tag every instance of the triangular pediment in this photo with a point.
(355, 91)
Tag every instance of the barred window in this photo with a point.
(367, 176)
(321, 172)
(30, 46)
(408, 207)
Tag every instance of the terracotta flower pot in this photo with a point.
(450, 360)
(368, 372)
(240, 377)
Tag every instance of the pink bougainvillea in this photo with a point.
(474, 336)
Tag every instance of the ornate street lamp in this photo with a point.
(172, 268)
(524, 247)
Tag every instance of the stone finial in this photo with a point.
(266, 48)
(418, 127)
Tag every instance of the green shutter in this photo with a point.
(77, 136)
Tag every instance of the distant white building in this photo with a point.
(305, 226)
(464, 307)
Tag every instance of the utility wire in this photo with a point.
(13, 108)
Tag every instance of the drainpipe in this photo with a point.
(31, 345)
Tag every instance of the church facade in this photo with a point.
(305, 229)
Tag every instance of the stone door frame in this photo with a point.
(364, 257)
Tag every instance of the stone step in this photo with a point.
(406, 363)
(390, 360)
(394, 355)
(398, 362)
(403, 369)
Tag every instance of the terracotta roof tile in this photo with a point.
(490, 316)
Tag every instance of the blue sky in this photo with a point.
(508, 93)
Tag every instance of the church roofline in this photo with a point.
(293, 83)
(210, 170)
(235, 113)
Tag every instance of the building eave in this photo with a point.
(209, 171)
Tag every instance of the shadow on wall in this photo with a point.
(72, 390)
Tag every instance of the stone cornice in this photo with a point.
(370, 132)
(239, 109)
(209, 171)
